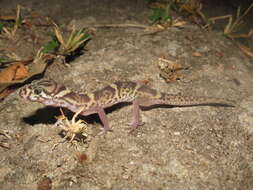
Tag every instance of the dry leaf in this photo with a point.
(14, 72)
(169, 70)
(21, 72)
(178, 23)
(197, 54)
(154, 29)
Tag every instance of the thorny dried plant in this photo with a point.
(193, 7)
(75, 40)
(169, 69)
(231, 26)
(13, 56)
(41, 58)
(40, 62)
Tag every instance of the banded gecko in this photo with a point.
(50, 93)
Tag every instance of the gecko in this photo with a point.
(50, 93)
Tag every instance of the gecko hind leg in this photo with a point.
(137, 117)
(104, 120)
(143, 102)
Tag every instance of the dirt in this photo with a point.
(199, 147)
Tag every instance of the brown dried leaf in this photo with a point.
(14, 72)
(197, 54)
(178, 23)
(21, 72)
(154, 29)
(169, 70)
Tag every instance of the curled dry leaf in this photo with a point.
(14, 72)
(21, 72)
(154, 29)
(197, 54)
(169, 70)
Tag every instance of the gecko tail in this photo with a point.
(178, 100)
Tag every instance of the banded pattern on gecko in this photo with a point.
(50, 93)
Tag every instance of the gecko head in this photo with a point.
(40, 91)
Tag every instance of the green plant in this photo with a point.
(1, 27)
(52, 45)
(160, 15)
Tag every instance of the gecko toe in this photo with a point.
(135, 125)
(104, 131)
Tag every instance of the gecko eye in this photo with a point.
(37, 91)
